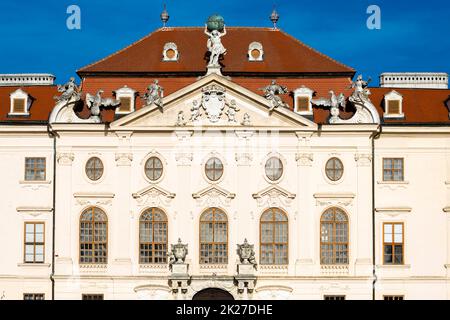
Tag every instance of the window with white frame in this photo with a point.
(255, 52)
(34, 242)
(302, 100)
(393, 105)
(126, 96)
(170, 52)
(20, 103)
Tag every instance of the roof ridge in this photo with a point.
(316, 51)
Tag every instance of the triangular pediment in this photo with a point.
(274, 191)
(153, 196)
(216, 102)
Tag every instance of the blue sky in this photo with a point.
(414, 35)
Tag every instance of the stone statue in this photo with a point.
(246, 253)
(334, 103)
(232, 111)
(360, 93)
(272, 92)
(246, 121)
(177, 254)
(180, 119)
(215, 45)
(69, 90)
(154, 95)
(195, 111)
(95, 103)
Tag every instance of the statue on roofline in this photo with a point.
(334, 103)
(272, 92)
(154, 95)
(215, 45)
(69, 90)
(95, 103)
(360, 93)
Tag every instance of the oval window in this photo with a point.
(334, 169)
(153, 168)
(94, 168)
(274, 169)
(214, 169)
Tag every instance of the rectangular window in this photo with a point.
(393, 107)
(393, 169)
(333, 297)
(92, 297)
(393, 243)
(19, 106)
(125, 104)
(302, 104)
(34, 169)
(393, 298)
(34, 242)
(33, 296)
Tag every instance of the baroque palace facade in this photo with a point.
(180, 169)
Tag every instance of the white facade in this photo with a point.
(418, 80)
(304, 192)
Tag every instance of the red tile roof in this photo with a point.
(283, 54)
(41, 107)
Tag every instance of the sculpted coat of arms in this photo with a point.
(213, 102)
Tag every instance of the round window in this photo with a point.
(153, 169)
(94, 169)
(214, 169)
(334, 169)
(274, 169)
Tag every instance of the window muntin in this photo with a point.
(213, 237)
(274, 237)
(214, 169)
(153, 236)
(393, 169)
(34, 242)
(35, 169)
(334, 237)
(154, 168)
(334, 169)
(274, 169)
(93, 236)
(94, 169)
(33, 296)
(92, 296)
(393, 243)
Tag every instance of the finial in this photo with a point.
(164, 16)
(274, 17)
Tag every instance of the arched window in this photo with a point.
(274, 233)
(334, 237)
(93, 236)
(153, 236)
(213, 237)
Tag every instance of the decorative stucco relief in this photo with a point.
(274, 196)
(153, 196)
(213, 196)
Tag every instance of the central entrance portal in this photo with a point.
(213, 294)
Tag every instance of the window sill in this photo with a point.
(23, 115)
(35, 265)
(393, 266)
(392, 116)
(393, 182)
(34, 182)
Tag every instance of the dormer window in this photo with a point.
(302, 101)
(20, 103)
(393, 105)
(170, 52)
(255, 52)
(127, 97)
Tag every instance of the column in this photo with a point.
(65, 234)
(363, 263)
